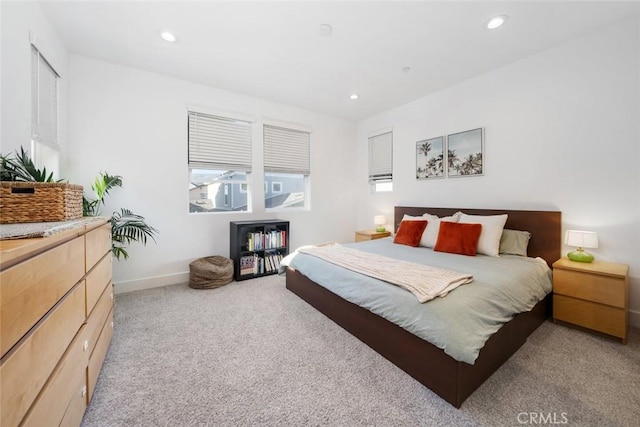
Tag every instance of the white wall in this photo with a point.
(561, 131)
(21, 23)
(134, 123)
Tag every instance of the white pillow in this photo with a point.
(492, 226)
(430, 234)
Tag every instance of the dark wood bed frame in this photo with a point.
(452, 380)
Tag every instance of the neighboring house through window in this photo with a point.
(381, 161)
(286, 166)
(219, 162)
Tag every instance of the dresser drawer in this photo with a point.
(98, 317)
(75, 411)
(98, 355)
(610, 320)
(25, 370)
(51, 405)
(31, 288)
(97, 281)
(97, 243)
(603, 289)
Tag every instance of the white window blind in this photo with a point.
(44, 100)
(219, 142)
(381, 157)
(286, 150)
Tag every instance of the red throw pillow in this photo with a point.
(458, 238)
(410, 232)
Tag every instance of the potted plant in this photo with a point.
(29, 194)
(19, 170)
(126, 226)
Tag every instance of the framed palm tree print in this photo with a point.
(430, 158)
(465, 153)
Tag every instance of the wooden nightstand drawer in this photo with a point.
(361, 236)
(592, 295)
(590, 315)
(590, 287)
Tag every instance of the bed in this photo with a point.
(451, 379)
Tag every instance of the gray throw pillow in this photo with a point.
(514, 242)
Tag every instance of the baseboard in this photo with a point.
(634, 318)
(151, 282)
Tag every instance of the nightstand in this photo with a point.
(592, 295)
(371, 235)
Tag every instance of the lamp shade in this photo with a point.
(581, 239)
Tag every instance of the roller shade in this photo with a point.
(286, 150)
(219, 142)
(381, 157)
(44, 100)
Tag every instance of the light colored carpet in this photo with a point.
(253, 353)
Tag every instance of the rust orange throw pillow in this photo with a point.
(458, 238)
(410, 232)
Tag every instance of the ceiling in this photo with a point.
(273, 50)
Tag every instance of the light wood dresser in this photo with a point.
(592, 295)
(56, 323)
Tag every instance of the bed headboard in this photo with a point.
(544, 226)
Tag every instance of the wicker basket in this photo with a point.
(39, 202)
(210, 272)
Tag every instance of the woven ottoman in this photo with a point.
(210, 272)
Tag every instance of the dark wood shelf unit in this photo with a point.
(256, 247)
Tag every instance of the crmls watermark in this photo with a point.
(542, 418)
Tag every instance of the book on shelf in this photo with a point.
(273, 239)
(272, 261)
(249, 264)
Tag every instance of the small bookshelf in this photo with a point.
(257, 247)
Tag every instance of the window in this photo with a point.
(219, 163)
(381, 161)
(44, 112)
(286, 166)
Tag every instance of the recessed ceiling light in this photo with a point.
(354, 96)
(168, 36)
(496, 22)
(325, 30)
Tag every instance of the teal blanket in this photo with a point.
(459, 323)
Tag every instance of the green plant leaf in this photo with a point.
(126, 228)
(101, 186)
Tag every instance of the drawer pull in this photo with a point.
(84, 391)
(112, 325)
(85, 345)
(111, 296)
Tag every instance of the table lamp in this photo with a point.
(581, 239)
(380, 221)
